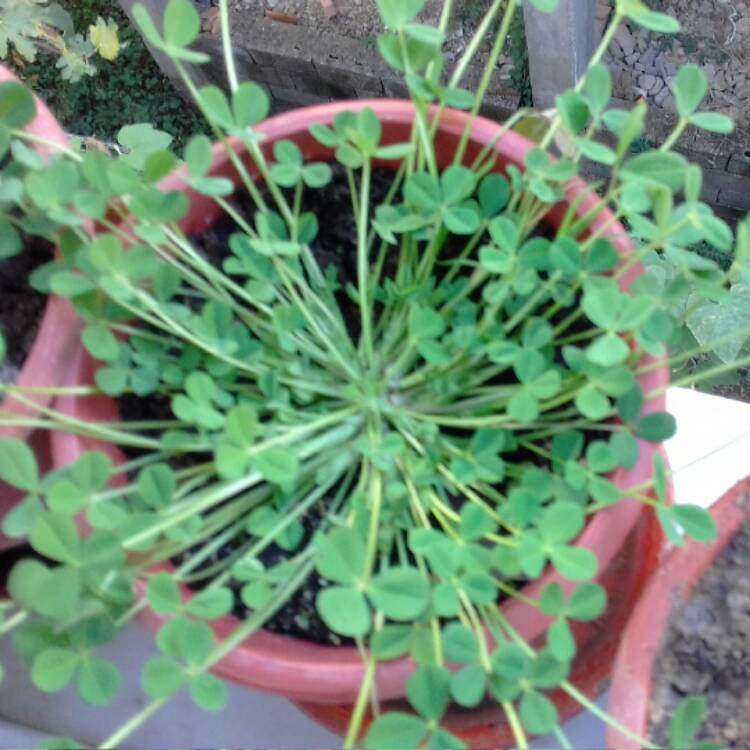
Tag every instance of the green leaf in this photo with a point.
(400, 593)
(182, 24)
(690, 88)
(494, 193)
(397, 13)
(211, 603)
(686, 721)
(214, 102)
(592, 403)
(345, 611)
(608, 350)
(459, 643)
(561, 522)
(475, 522)
(277, 465)
(98, 681)
(711, 320)
(250, 104)
(494, 260)
(428, 691)
(657, 168)
(51, 592)
(18, 521)
(195, 640)
(17, 106)
(425, 323)
(158, 165)
(56, 536)
(162, 677)
(70, 284)
(597, 152)
(423, 191)
(573, 110)
(100, 342)
(468, 686)
(53, 669)
(560, 640)
(510, 662)
(18, 465)
(670, 528)
(163, 593)
(597, 88)
(574, 563)
(538, 713)
(545, 6)
(587, 602)
(198, 155)
(552, 600)
(10, 240)
(457, 183)
(395, 731)
(638, 11)
(657, 427)
(208, 692)
(713, 122)
(156, 485)
(317, 175)
(341, 555)
(696, 522)
(391, 641)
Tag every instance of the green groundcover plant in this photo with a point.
(457, 435)
(27, 26)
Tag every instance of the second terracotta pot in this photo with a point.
(630, 695)
(57, 338)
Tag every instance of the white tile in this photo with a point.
(711, 450)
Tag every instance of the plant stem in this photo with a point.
(363, 268)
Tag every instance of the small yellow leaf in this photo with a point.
(104, 37)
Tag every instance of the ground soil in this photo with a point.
(359, 19)
(739, 391)
(21, 307)
(707, 652)
(715, 35)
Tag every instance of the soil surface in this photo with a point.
(21, 307)
(715, 36)
(707, 652)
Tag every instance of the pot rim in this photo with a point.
(333, 673)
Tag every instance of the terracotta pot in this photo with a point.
(630, 695)
(49, 359)
(331, 675)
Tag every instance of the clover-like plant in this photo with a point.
(418, 428)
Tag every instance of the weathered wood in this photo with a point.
(560, 45)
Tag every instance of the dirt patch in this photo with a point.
(707, 652)
(21, 306)
(715, 35)
(359, 19)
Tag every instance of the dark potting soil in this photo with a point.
(706, 651)
(21, 306)
(333, 247)
(739, 391)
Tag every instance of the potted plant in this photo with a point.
(35, 358)
(697, 587)
(394, 459)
